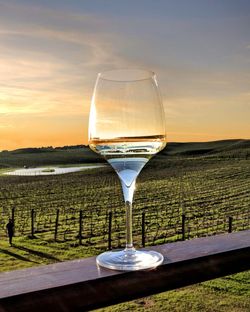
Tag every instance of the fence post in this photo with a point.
(183, 220)
(143, 229)
(189, 229)
(230, 224)
(80, 228)
(56, 224)
(110, 230)
(13, 214)
(32, 223)
(13, 218)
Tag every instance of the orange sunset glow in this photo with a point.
(50, 54)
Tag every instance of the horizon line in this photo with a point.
(86, 145)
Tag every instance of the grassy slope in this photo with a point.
(208, 148)
(54, 157)
(197, 298)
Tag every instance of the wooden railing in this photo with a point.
(80, 285)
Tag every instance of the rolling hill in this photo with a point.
(82, 154)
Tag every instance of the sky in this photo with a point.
(51, 52)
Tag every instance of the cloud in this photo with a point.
(49, 59)
(24, 101)
(5, 126)
(86, 31)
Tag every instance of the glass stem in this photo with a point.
(129, 226)
(128, 192)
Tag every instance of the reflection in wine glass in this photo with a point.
(127, 127)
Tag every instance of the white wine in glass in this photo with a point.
(127, 127)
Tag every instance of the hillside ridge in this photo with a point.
(177, 146)
(80, 154)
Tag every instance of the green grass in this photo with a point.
(195, 298)
(26, 252)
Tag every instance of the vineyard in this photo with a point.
(177, 197)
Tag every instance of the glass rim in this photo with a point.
(136, 74)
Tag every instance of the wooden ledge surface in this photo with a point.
(81, 285)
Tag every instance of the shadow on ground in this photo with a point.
(12, 254)
(38, 253)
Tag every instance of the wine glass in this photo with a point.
(127, 127)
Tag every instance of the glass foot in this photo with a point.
(129, 260)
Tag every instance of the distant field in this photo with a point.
(207, 181)
(82, 154)
(207, 187)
